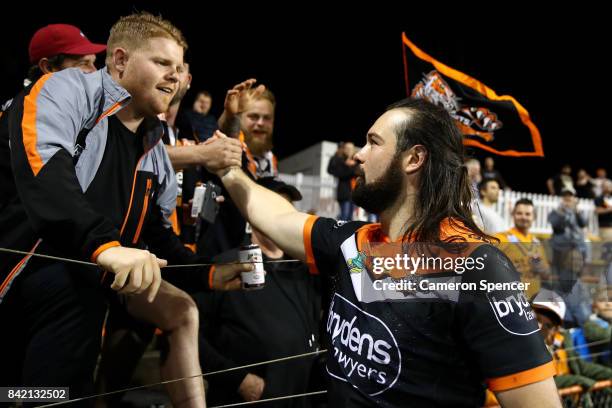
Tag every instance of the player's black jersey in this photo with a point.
(396, 349)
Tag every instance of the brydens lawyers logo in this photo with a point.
(365, 352)
(513, 312)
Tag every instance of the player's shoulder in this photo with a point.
(339, 229)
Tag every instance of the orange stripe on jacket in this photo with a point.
(28, 125)
(103, 248)
(175, 224)
(109, 111)
(310, 260)
(11, 274)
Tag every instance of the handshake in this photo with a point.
(220, 153)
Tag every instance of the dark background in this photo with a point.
(334, 67)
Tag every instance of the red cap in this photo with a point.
(56, 39)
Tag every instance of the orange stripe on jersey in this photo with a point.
(308, 244)
(526, 377)
(370, 233)
(28, 126)
(448, 229)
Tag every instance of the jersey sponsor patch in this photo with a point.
(364, 351)
(513, 312)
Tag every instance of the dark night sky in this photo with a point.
(333, 72)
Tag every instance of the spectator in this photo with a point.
(584, 185)
(603, 208)
(484, 210)
(344, 168)
(598, 328)
(280, 320)
(489, 172)
(473, 169)
(174, 138)
(105, 203)
(59, 46)
(523, 248)
(257, 127)
(249, 115)
(569, 254)
(562, 181)
(187, 155)
(599, 181)
(52, 48)
(199, 117)
(571, 370)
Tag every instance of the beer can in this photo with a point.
(255, 279)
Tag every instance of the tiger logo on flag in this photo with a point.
(473, 121)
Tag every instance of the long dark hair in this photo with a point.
(444, 187)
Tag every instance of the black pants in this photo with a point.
(52, 323)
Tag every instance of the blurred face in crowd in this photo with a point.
(490, 191)
(603, 305)
(473, 167)
(202, 104)
(184, 84)
(348, 150)
(489, 163)
(568, 200)
(601, 173)
(380, 175)
(523, 217)
(258, 125)
(607, 188)
(150, 73)
(582, 174)
(548, 326)
(566, 170)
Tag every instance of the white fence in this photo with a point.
(320, 197)
(543, 205)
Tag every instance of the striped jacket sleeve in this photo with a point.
(43, 127)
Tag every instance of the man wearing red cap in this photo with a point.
(59, 46)
(52, 48)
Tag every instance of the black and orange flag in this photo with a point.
(497, 124)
